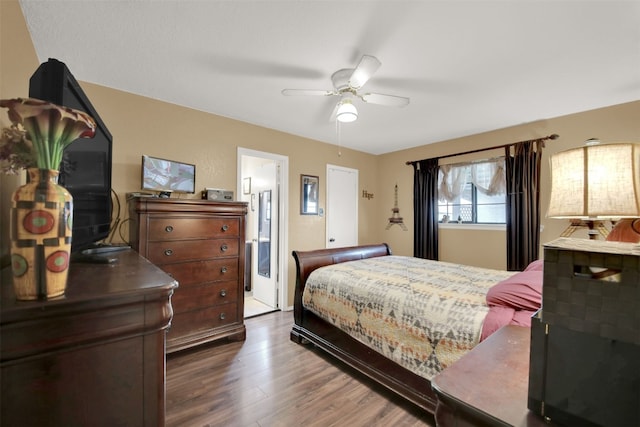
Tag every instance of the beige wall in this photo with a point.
(17, 54)
(488, 248)
(142, 125)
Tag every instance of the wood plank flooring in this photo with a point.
(269, 380)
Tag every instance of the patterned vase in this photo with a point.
(41, 217)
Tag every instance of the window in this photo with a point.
(472, 193)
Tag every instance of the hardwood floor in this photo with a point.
(269, 380)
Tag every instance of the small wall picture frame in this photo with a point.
(309, 191)
(246, 186)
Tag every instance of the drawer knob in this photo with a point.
(223, 293)
(225, 227)
(222, 316)
(224, 248)
(168, 228)
(168, 252)
(223, 270)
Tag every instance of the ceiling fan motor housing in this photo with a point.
(341, 78)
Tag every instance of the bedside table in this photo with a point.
(488, 385)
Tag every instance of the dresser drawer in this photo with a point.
(164, 252)
(196, 272)
(207, 295)
(194, 321)
(178, 228)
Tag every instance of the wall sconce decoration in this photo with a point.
(595, 183)
(396, 218)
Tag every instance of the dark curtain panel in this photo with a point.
(522, 169)
(425, 209)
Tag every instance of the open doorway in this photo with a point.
(263, 184)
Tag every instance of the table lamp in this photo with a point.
(595, 183)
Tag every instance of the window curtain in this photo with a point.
(425, 209)
(522, 170)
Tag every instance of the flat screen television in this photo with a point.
(167, 176)
(86, 165)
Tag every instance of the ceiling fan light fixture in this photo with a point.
(347, 112)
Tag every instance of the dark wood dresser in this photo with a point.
(93, 357)
(201, 244)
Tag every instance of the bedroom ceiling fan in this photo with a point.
(347, 84)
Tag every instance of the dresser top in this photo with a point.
(157, 204)
(131, 276)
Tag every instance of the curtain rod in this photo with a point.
(552, 136)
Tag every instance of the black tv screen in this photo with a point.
(86, 165)
(168, 176)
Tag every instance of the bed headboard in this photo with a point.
(307, 261)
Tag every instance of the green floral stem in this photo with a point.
(40, 146)
(49, 153)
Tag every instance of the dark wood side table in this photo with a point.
(93, 357)
(489, 385)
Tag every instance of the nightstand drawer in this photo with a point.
(178, 228)
(189, 273)
(208, 295)
(165, 252)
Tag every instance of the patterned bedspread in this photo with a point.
(423, 315)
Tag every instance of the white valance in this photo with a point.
(488, 177)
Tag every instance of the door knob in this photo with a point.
(332, 240)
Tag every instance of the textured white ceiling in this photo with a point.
(468, 66)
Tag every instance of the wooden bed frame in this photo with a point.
(309, 328)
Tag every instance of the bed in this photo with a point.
(381, 315)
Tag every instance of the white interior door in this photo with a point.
(342, 207)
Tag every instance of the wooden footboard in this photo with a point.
(309, 328)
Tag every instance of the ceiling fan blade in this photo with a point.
(307, 92)
(388, 100)
(366, 68)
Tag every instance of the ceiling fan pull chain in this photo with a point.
(339, 136)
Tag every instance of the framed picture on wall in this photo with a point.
(309, 190)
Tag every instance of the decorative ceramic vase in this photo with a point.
(41, 217)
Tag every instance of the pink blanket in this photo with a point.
(514, 300)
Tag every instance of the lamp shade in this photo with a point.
(347, 112)
(600, 181)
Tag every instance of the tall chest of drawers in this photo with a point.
(199, 243)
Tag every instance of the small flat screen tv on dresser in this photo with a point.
(86, 165)
(167, 176)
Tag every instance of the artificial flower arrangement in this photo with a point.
(39, 133)
(42, 210)
(15, 150)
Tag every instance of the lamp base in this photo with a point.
(595, 228)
